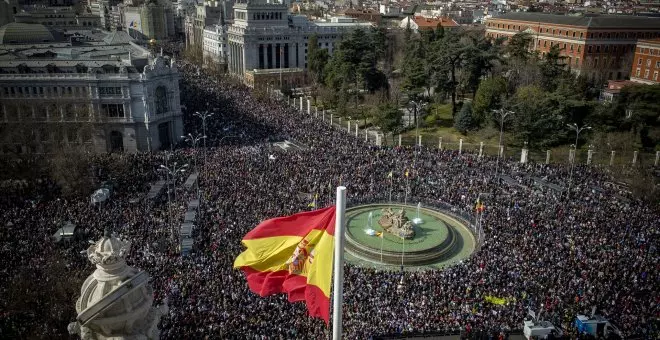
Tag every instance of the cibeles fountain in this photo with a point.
(116, 301)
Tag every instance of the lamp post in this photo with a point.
(194, 140)
(171, 173)
(577, 130)
(203, 116)
(501, 116)
(417, 106)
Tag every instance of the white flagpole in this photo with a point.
(338, 281)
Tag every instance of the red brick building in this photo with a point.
(599, 46)
(646, 63)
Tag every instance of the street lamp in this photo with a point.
(203, 116)
(501, 116)
(194, 140)
(577, 130)
(171, 172)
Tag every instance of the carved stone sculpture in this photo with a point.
(396, 223)
(116, 300)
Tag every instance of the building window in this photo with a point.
(657, 65)
(581, 35)
(648, 62)
(109, 91)
(598, 49)
(637, 72)
(161, 100)
(639, 61)
(589, 49)
(655, 76)
(571, 48)
(113, 110)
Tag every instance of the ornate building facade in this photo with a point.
(109, 95)
(266, 42)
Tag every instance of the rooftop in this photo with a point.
(14, 32)
(591, 21)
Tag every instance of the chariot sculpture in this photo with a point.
(396, 223)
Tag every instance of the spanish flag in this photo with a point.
(292, 255)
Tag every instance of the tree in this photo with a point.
(488, 97)
(536, 123)
(317, 59)
(552, 68)
(518, 46)
(479, 58)
(464, 121)
(387, 117)
(445, 58)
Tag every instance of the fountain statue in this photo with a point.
(397, 223)
(116, 300)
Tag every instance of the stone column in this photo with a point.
(366, 135)
(309, 107)
(316, 112)
(399, 140)
(481, 149)
(523, 155)
(349, 126)
(657, 158)
(547, 157)
(331, 119)
(301, 105)
(419, 140)
(590, 154)
(634, 158)
(571, 156)
(439, 143)
(612, 157)
(460, 146)
(356, 132)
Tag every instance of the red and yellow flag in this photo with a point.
(292, 255)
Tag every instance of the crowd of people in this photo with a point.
(542, 249)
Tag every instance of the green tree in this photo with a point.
(464, 122)
(317, 59)
(536, 123)
(488, 97)
(553, 68)
(518, 46)
(479, 58)
(387, 117)
(445, 60)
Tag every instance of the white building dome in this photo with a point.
(116, 300)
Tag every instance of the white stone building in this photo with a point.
(108, 95)
(215, 43)
(265, 39)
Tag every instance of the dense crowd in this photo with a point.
(598, 248)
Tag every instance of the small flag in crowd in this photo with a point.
(479, 207)
(390, 174)
(292, 255)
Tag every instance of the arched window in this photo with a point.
(161, 100)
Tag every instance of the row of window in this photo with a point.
(648, 62)
(267, 16)
(67, 112)
(650, 51)
(646, 74)
(109, 91)
(41, 91)
(575, 34)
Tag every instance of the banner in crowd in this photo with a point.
(292, 255)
